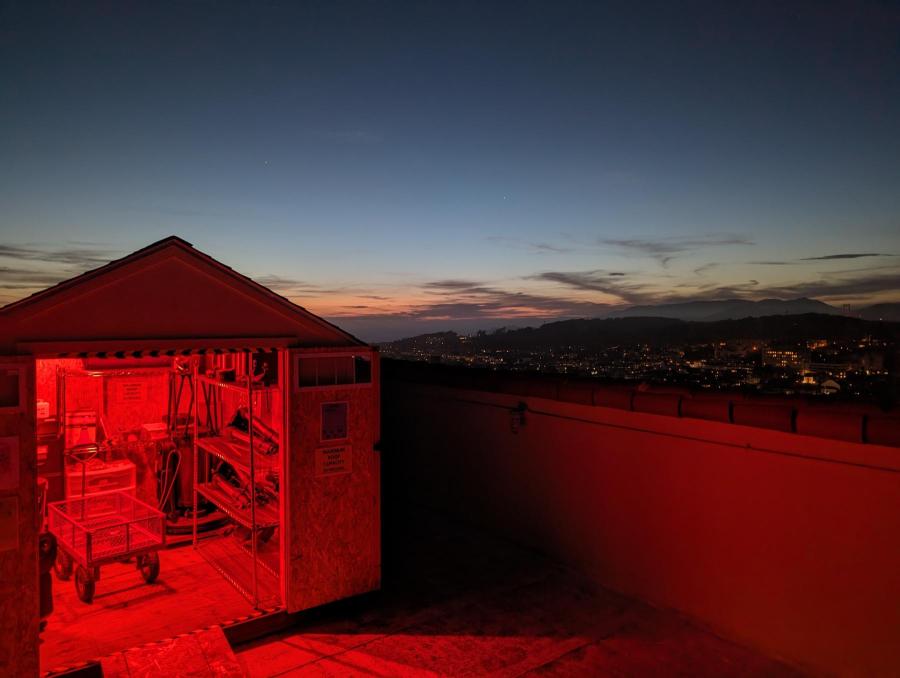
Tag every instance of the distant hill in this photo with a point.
(886, 312)
(602, 333)
(727, 309)
(447, 341)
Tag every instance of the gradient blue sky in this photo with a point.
(404, 167)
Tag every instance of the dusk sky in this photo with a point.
(410, 167)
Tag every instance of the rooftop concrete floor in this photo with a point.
(457, 602)
(127, 611)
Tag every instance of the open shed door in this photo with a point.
(332, 503)
(19, 521)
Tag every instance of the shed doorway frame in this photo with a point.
(128, 349)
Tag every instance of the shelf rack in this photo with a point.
(254, 578)
(266, 516)
(239, 563)
(237, 454)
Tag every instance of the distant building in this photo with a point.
(835, 370)
(778, 357)
(829, 386)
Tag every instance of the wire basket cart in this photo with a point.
(103, 528)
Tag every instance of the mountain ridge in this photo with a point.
(607, 332)
(728, 309)
(889, 312)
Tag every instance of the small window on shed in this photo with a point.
(334, 421)
(362, 370)
(10, 385)
(333, 370)
(307, 372)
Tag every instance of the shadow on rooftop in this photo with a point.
(457, 601)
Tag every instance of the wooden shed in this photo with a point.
(241, 426)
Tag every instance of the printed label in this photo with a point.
(332, 461)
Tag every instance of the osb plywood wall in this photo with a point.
(127, 399)
(46, 376)
(18, 538)
(335, 540)
(135, 399)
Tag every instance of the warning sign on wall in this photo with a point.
(333, 460)
(132, 392)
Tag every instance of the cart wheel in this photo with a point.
(148, 564)
(63, 566)
(84, 584)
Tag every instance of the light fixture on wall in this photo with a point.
(517, 417)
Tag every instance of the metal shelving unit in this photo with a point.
(265, 516)
(237, 454)
(254, 578)
(243, 567)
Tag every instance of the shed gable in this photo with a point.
(166, 291)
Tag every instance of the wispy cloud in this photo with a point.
(690, 291)
(837, 288)
(453, 285)
(852, 255)
(533, 246)
(289, 286)
(474, 299)
(614, 283)
(12, 278)
(666, 249)
(45, 266)
(79, 256)
(661, 249)
(833, 287)
(828, 257)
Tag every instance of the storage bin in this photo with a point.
(100, 477)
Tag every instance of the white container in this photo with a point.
(154, 432)
(100, 477)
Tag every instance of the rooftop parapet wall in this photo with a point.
(781, 540)
(852, 422)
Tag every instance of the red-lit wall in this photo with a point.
(334, 520)
(18, 543)
(46, 372)
(787, 543)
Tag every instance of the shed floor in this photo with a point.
(127, 612)
(457, 602)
